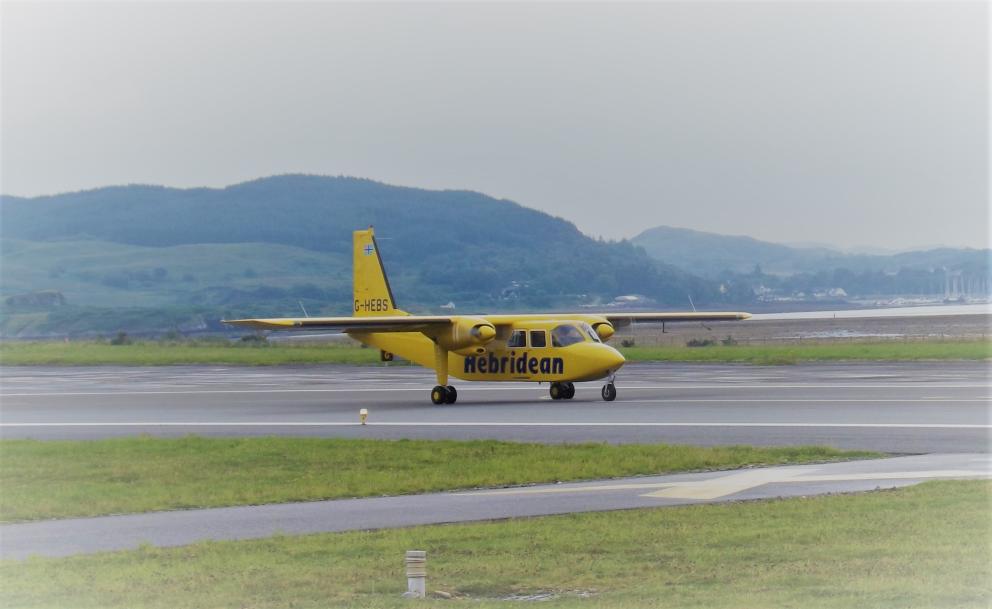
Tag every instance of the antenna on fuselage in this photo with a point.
(305, 314)
(695, 311)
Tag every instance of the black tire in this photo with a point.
(609, 392)
(439, 394)
(569, 391)
(451, 395)
(557, 391)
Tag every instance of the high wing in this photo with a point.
(420, 323)
(620, 320)
(390, 323)
(625, 319)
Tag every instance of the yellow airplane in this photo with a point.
(556, 348)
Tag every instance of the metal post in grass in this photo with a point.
(416, 574)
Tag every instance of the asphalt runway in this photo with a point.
(901, 408)
(87, 535)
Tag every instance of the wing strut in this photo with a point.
(441, 364)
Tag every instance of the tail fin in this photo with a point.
(373, 297)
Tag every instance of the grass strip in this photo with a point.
(817, 352)
(153, 353)
(923, 546)
(56, 479)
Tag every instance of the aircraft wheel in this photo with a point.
(609, 392)
(557, 391)
(569, 391)
(439, 394)
(451, 395)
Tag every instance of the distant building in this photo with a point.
(628, 298)
(632, 301)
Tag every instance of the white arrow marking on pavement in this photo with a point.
(735, 483)
(726, 485)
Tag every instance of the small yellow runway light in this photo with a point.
(363, 414)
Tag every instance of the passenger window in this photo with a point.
(538, 338)
(517, 339)
(563, 336)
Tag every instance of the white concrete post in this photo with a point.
(416, 574)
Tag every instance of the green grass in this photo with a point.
(55, 479)
(157, 353)
(817, 352)
(924, 546)
(153, 353)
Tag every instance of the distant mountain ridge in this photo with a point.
(712, 254)
(163, 246)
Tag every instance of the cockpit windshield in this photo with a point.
(565, 335)
(590, 332)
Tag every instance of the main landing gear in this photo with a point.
(562, 391)
(566, 391)
(444, 395)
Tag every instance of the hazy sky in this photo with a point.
(844, 122)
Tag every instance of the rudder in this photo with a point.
(372, 294)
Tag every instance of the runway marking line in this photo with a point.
(490, 424)
(719, 387)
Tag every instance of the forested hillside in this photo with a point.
(781, 272)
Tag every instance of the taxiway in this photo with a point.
(87, 535)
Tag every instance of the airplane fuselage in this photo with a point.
(523, 351)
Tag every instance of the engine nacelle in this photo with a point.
(604, 330)
(468, 336)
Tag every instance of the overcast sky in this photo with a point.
(847, 123)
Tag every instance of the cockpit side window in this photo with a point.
(563, 336)
(517, 339)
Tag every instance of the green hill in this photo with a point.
(99, 273)
(263, 246)
(711, 255)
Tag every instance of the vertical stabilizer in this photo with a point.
(373, 297)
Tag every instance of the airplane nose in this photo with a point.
(616, 360)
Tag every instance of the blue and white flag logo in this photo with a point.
(369, 249)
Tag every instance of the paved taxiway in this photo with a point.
(927, 407)
(86, 535)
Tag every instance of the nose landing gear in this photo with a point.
(562, 391)
(609, 392)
